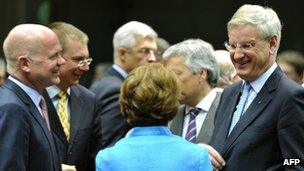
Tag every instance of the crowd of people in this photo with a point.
(184, 106)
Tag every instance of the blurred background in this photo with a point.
(174, 21)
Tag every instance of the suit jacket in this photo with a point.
(270, 130)
(107, 89)
(25, 141)
(206, 131)
(84, 137)
(153, 148)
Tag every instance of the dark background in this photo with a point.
(174, 21)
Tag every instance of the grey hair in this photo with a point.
(126, 34)
(264, 18)
(198, 55)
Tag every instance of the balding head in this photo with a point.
(25, 40)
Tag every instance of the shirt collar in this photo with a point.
(261, 80)
(121, 71)
(206, 102)
(54, 90)
(34, 94)
(148, 130)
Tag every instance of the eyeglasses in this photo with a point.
(81, 63)
(243, 47)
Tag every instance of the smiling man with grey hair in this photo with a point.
(134, 45)
(194, 63)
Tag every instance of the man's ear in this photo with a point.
(273, 42)
(23, 63)
(203, 74)
(122, 51)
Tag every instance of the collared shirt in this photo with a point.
(258, 84)
(34, 94)
(205, 105)
(149, 130)
(53, 93)
(121, 71)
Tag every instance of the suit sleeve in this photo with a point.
(291, 128)
(14, 138)
(114, 126)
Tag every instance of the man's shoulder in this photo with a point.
(83, 91)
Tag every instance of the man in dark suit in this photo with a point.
(194, 63)
(73, 107)
(33, 60)
(260, 120)
(134, 45)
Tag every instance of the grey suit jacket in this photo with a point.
(205, 134)
(270, 130)
(85, 135)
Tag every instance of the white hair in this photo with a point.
(264, 18)
(125, 35)
(198, 55)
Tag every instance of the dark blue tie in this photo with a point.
(191, 131)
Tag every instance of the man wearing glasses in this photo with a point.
(260, 120)
(134, 45)
(72, 107)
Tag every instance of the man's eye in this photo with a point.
(247, 46)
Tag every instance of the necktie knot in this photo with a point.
(195, 111)
(62, 95)
(246, 87)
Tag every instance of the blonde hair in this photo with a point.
(65, 30)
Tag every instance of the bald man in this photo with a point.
(33, 60)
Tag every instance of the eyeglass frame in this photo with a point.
(243, 46)
(81, 63)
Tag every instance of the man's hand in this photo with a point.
(217, 161)
(65, 167)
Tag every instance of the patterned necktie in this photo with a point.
(240, 107)
(63, 113)
(191, 130)
(44, 112)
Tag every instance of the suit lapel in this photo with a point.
(260, 102)
(77, 111)
(208, 125)
(177, 123)
(54, 119)
(34, 112)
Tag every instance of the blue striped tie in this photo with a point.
(240, 107)
(191, 131)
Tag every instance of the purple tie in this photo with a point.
(191, 131)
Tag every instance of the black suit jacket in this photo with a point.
(25, 141)
(270, 130)
(84, 138)
(107, 89)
